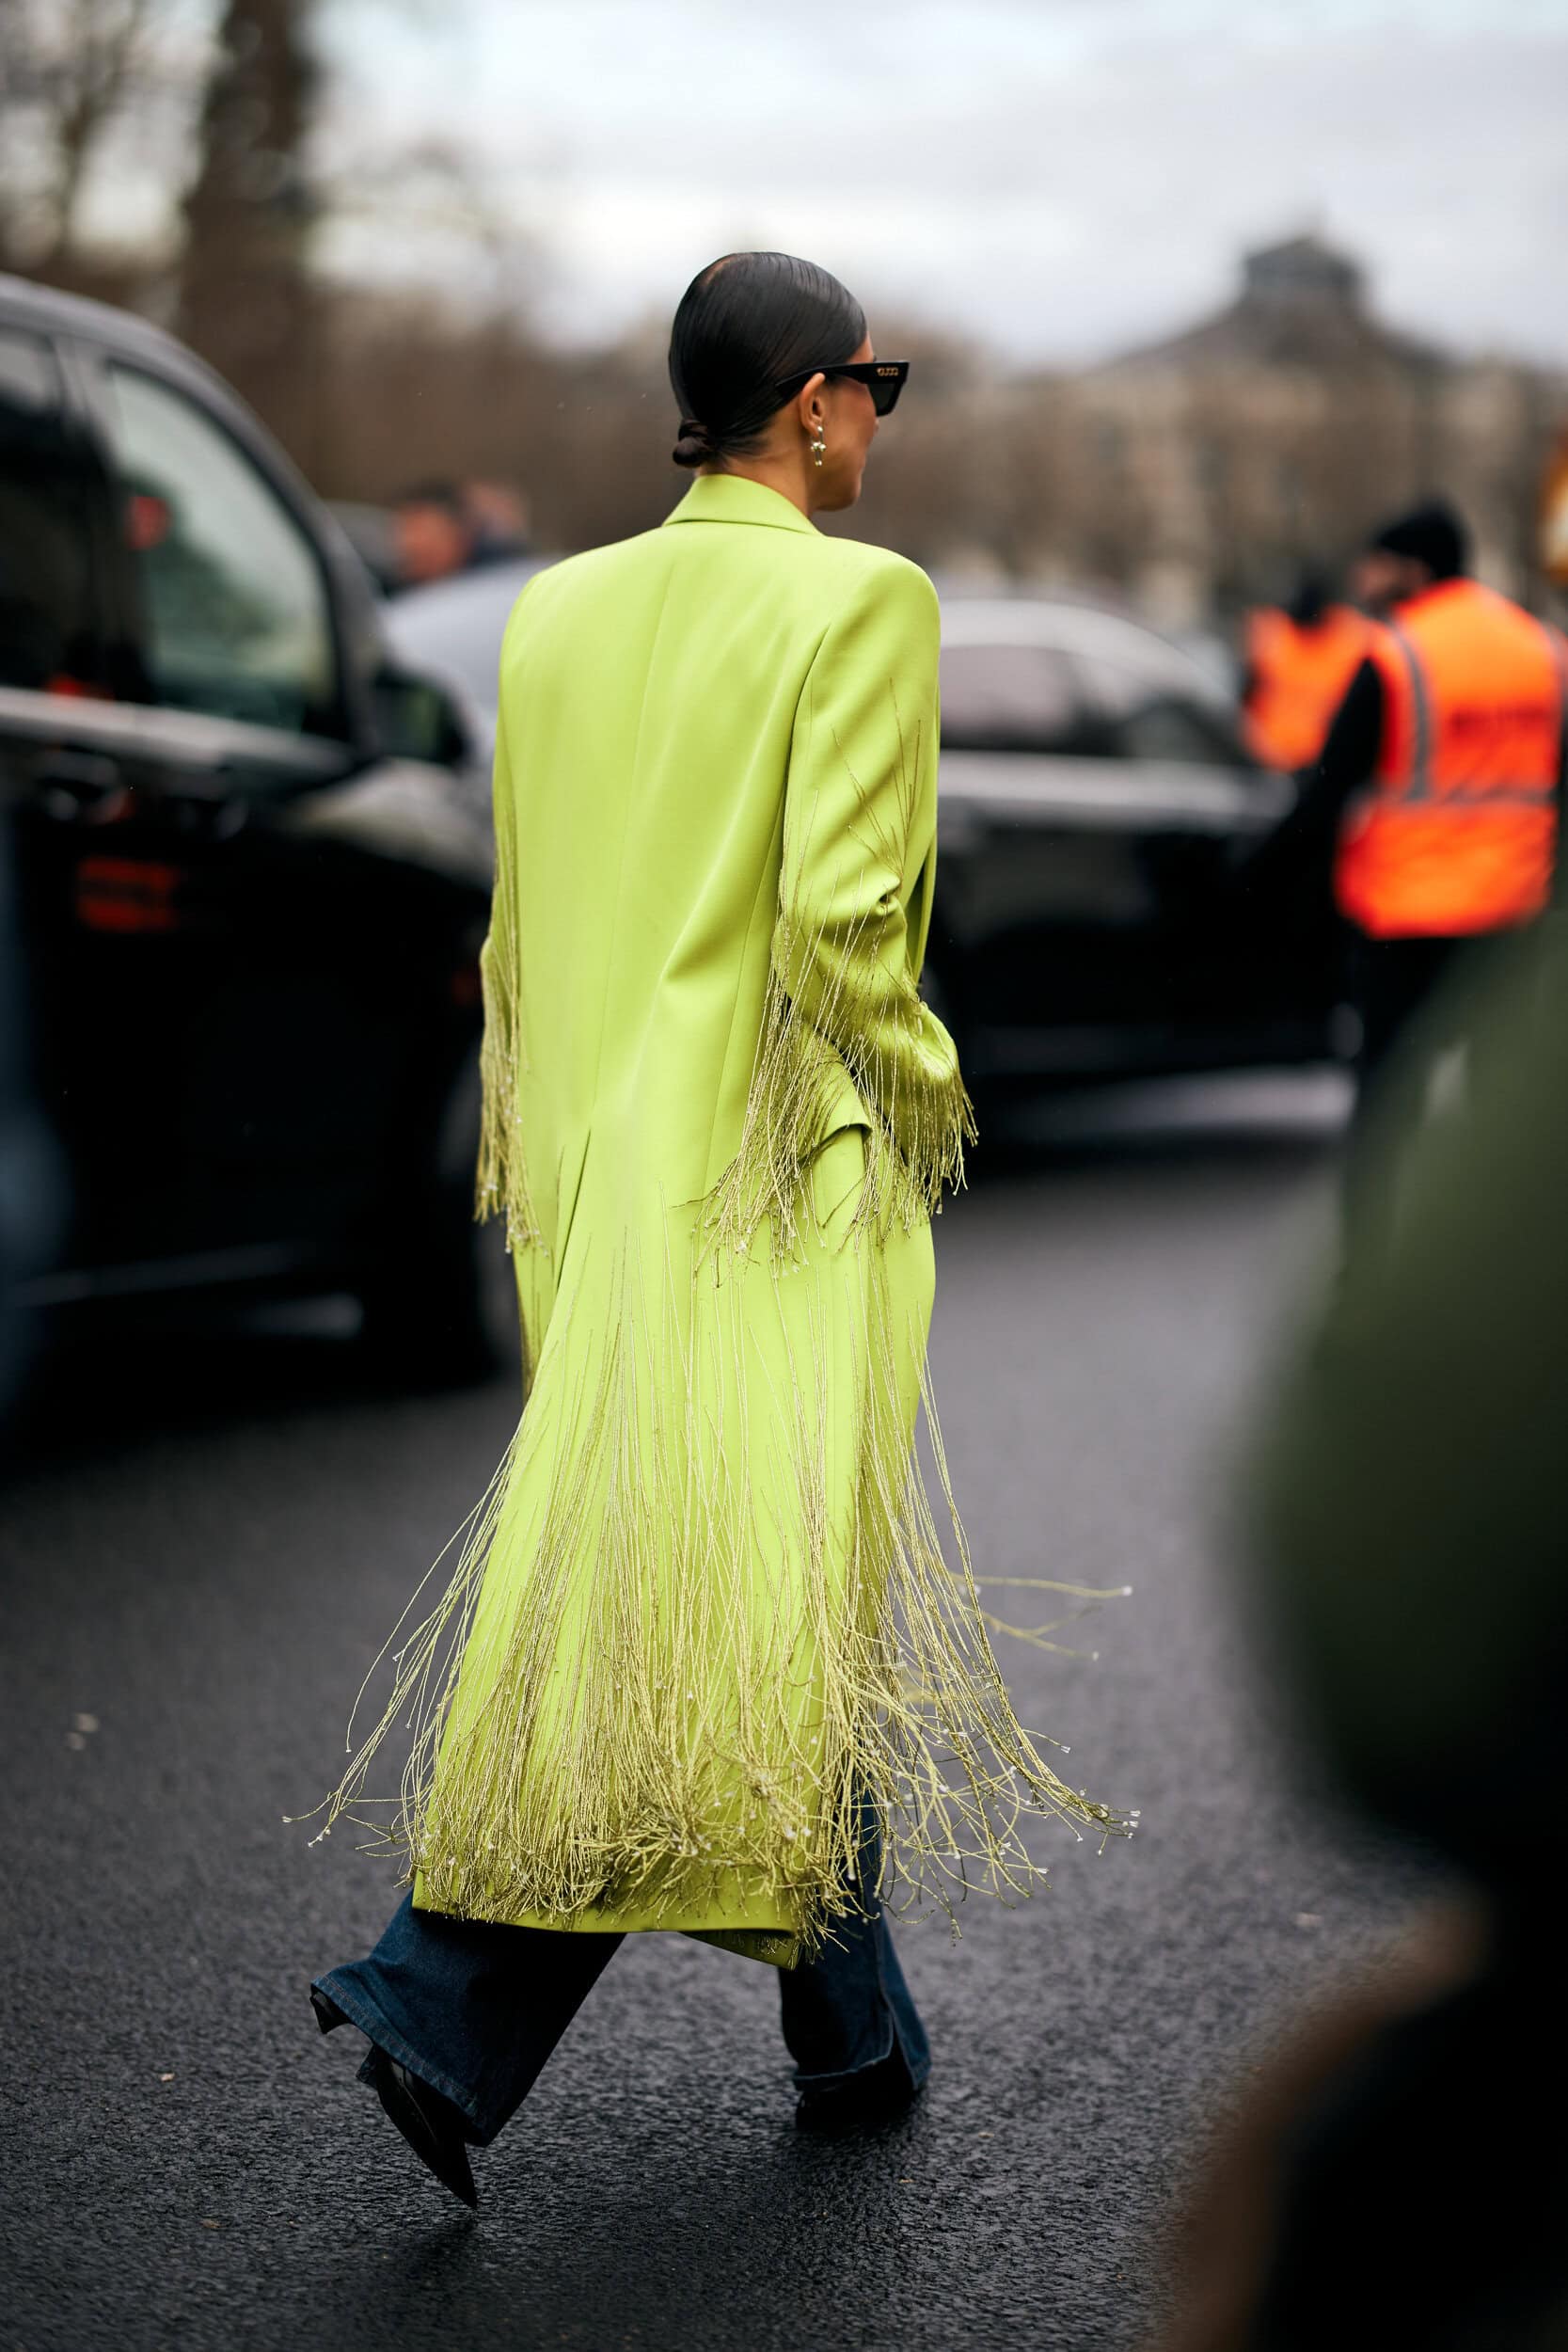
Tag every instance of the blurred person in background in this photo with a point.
(443, 527)
(1441, 778)
(433, 533)
(1299, 659)
(500, 516)
(1400, 2177)
(704, 1658)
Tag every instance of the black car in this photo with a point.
(1105, 904)
(251, 855)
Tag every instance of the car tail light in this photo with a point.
(122, 893)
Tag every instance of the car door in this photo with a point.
(1088, 829)
(337, 896)
(253, 930)
(259, 1068)
(1048, 914)
(1241, 971)
(74, 766)
(52, 645)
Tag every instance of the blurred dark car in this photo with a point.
(1099, 911)
(251, 859)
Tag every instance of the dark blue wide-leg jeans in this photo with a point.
(476, 2009)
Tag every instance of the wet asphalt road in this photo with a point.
(214, 1532)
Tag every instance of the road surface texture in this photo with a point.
(208, 1535)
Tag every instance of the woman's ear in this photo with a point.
(809, 405)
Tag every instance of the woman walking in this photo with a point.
(702, 1667)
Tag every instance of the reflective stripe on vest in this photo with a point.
(1419, 786)
(1457, 833)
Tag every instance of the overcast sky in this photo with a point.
(1060, 177)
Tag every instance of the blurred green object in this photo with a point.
(1411, 1491)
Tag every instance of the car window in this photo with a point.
(1012, 698)
(1150, 719)
(1119, 688)
(235, 616)
(1168, 729)
(49, 636)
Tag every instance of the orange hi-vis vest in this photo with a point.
(1297, 678)
(1457, 832)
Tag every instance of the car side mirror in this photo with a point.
(418, 718)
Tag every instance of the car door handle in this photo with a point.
(210, 801)
(81, 787)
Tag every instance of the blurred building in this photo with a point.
(1201, 472)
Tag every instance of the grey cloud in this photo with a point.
(1062, 178)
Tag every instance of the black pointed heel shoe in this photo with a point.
(430, 2124)
(866, 2103)
(327, 2012)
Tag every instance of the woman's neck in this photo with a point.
(791, 475)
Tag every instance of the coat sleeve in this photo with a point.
(859, 858)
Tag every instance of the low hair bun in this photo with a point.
(695, 446)
(748, 327)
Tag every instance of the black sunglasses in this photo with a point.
(883, 379)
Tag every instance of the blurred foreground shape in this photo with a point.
(1406, 2166)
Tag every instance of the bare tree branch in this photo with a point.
(76, 75)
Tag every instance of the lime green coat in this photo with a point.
(703, 1611)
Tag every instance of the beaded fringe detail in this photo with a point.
(658, 1720)
(842, 1012)
(914, 1149)
(501, 1175)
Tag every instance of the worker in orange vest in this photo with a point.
(1300, 659)
(1443, 772)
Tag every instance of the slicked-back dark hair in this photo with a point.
(745, 324)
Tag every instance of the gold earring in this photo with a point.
(818, 449)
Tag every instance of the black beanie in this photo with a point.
(1432, 533)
